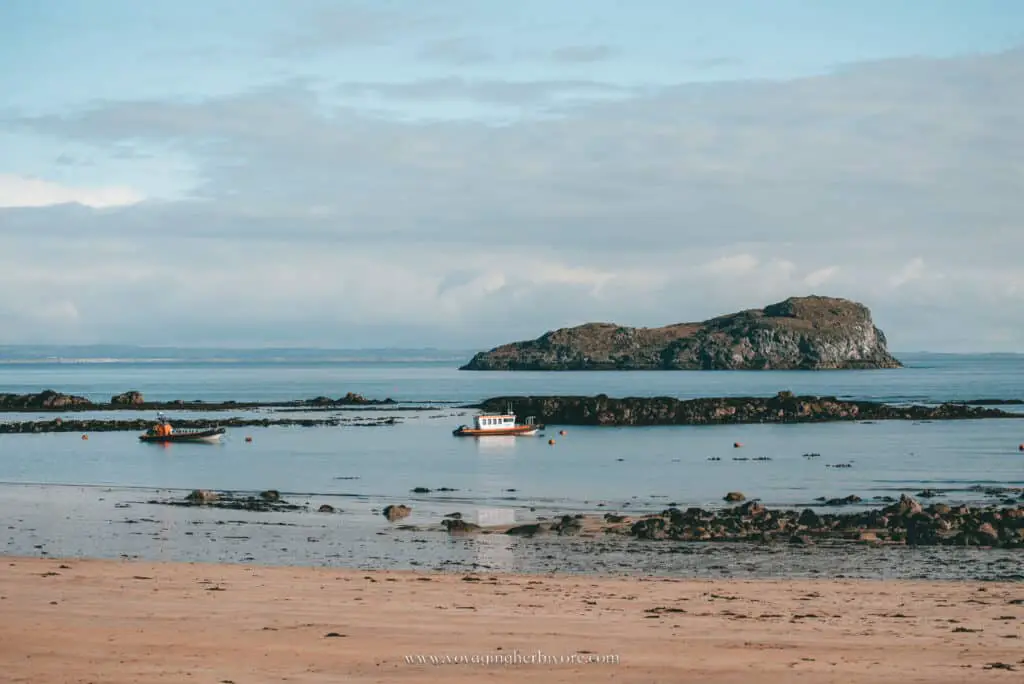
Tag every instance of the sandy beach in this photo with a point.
(108, 622)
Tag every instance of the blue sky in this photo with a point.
(659, 154)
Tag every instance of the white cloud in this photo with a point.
(911, 271)
(821, 276)
(738, 264)
(19, 191)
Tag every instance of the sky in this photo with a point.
(459, 174)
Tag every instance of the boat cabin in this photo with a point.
(497, 421)
(494, 421)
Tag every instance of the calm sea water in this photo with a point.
(927, 378)
(635, 467)
(63, 495)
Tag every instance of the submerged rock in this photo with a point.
(226, 500)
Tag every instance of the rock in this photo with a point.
(202, 496)
(987, 535)
(905, 507)
(47, 399)
(396, 512)
(845, 501)
(325, 508)
(270, 495)
(798, 333)
(131, 398)
(526, 530)
(568, 526)
(734, 496)
(750, 509)
(458, 527)
(808, 518)
(649, 528)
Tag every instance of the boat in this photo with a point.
(163, 432)
(493, 424)
(207, 435)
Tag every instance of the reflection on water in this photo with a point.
(494, 551)
(495, 443)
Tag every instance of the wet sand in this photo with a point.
(71, 620)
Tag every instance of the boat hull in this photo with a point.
(201, 436)
(518, 430)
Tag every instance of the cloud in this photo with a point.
(457, 51)
(913, 270)
(316, 219)
(19, 191)
(732, 265)
(821, 276)
(326, 27)
(509, 93)
(716, 62)
(582, 54)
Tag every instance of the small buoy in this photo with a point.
(85, 436)
(737, 445)
(248, 439)
(562, 432)
(551, 441)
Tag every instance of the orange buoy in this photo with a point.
(248, 439)
(85, 436)
(737, 445)
(551, 441)
(562, 432)
(1020, 448)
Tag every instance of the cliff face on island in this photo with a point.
(800, 333)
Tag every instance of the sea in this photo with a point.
(66, 495)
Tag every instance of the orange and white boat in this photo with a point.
(487, 424)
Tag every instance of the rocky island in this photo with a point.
(800, 333)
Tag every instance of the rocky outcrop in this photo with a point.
(45, 400)
(140, 424)
(265, 502)
(131, 398)
(904, 522)
(350, 399)
(785, 407)
(800, 333)
(51, 400)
